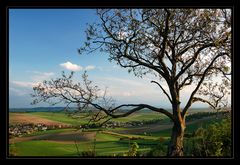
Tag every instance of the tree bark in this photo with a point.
(175, 147)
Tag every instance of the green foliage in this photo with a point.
(200, 115)
(133, 150)
(215, 140)
(203, 123)
(159, 150)
(12, 150)
(226, 68)
(88, 153)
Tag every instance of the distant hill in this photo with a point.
(58, 109)
(39, 109)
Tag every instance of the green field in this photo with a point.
(60, 117)
(63, 117)
(107, 142)
(106, 145)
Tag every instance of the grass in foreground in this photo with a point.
(106, 145)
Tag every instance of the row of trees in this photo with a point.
(180, 47)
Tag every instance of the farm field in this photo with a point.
(72, 141)
(62, 117)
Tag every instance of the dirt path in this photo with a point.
(62, 137)
(157, 127)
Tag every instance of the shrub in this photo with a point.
(12, 150)
(133, 150)
(88, 154)
(159, 150)
(215, 140)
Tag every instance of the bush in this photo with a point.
(88, 154)
(13, 150)
(159, 150)
(133, 150)
(188, 135)
(215, 140)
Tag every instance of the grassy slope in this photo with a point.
(59, 116)
(204, 124)
(189, 129)
(44, 148)
(62, 117)
(49, 132)
(141, 116)
(107, 143)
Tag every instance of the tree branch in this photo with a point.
(195, 99)
(164, 42)
(185, 83)
(189, 103)
(194, 58)
(138, 107)
(126, 55)
(163, 90)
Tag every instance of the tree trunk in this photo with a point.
(175, 147)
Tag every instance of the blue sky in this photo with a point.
(44, 42)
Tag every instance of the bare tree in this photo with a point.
(185, 48)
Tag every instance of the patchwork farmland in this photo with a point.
(64, 135)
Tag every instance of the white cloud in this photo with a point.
(109, 68)
(127, 94)
(123, 82)
(89, 67)
(70, 66)
(40, 76)
(117, 67)
(23, 84)
(105, 68)
(137, 90)
(17, 92)
(133, 90)
(23, 88)
(42, 73)
(100, 68)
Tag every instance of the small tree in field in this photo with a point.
(179, 47)
(133, 150)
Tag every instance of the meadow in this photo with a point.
(73, 141)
